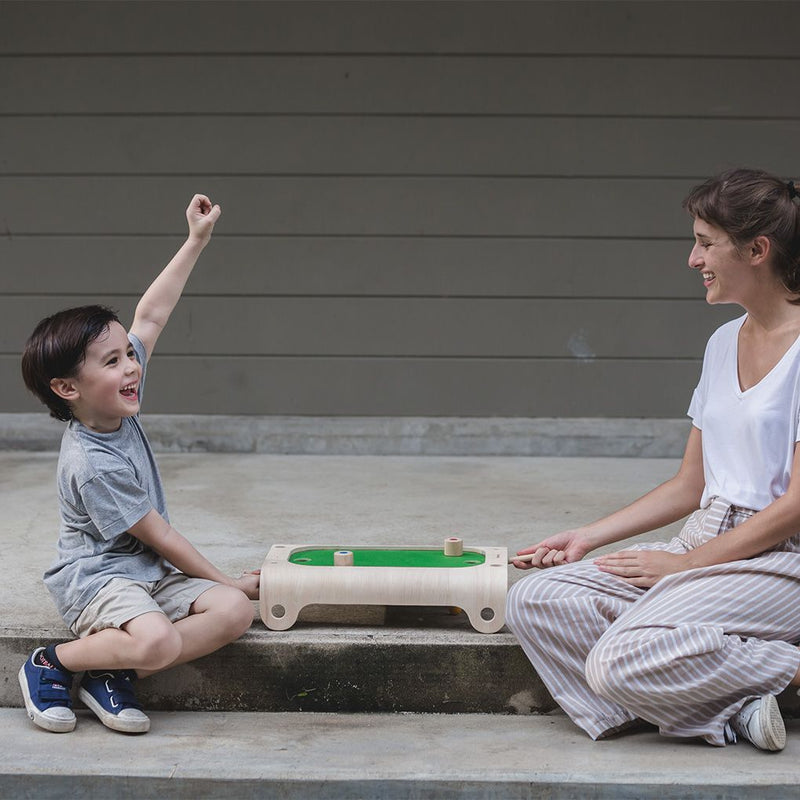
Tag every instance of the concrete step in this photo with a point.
(327, 756)
(234, 507)
(439, 665)
(423, 660)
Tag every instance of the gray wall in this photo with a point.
(459, 209)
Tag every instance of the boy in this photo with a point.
(138, 595)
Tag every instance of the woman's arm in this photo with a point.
(670, 501)
(779, 521)
(774, 524)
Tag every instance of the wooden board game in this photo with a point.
(474, 579)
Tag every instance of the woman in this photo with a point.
(696, 635)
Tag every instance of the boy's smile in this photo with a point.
(106, 388)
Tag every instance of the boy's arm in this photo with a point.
(154, 531)
(155, 307)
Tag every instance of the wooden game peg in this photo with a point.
(453, 546)
(343, 558)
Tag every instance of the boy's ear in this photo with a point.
(65, 388)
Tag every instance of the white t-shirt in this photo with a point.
(748, 437)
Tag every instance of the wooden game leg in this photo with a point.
(280, 616)
(486, 619)
(277, 613)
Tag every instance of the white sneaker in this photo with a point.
(760, 723)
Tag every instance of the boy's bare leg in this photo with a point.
(219, 616)
(150, 643)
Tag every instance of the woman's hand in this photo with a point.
(562, 548)
(642, 568)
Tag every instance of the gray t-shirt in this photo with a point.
(107, 482)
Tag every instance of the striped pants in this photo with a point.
(685, 655)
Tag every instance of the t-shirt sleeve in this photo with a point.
(141, 357)
(695, 411)
(115, 501)
(797, 423)
(698, 402)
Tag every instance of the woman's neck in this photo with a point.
(771, 310)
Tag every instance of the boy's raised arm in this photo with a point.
(155, 307)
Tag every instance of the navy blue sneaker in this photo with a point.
(46, 693)
(110, 695)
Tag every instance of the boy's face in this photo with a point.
(106, 388)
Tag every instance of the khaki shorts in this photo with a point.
(122, 599)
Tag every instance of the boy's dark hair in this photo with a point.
(57, 348)
(746, 203)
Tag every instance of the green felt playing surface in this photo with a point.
(388, 558)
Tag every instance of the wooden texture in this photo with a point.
(479, 590)
(377, 84)
(363, 386)
(381, 266)
(666, 27)
(390, 145)
(455, 208)
(404, 326)
(352, 206)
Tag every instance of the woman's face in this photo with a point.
(724, 269)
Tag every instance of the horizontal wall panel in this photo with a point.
(361, 206)
(714, 28)
(320, 145)
(704, 87)
(88, 266)
(429, 208)
(392, 327)
(403, 387)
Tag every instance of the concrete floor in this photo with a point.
(235, 506)
(392, 757)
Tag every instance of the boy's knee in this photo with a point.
(159, 647)
(234, 607)
(242, 612)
